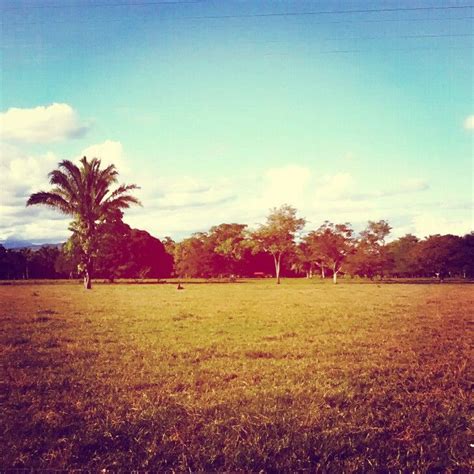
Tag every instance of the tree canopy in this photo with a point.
(85, 193)
(277, 235)
(102, 242)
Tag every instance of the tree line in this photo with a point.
(103, 246)
(232, 250)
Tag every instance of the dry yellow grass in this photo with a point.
(244, 376)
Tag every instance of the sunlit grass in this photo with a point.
(244, 376)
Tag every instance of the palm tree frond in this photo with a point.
(50, 199)
(64, 182)
(71, 170)
(123, 188)
(121, 202)
(105, 178)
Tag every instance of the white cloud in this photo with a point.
(180, 205)
(43, 124)
(412, 185)
(175, 195)
(407, 186)
(432, 223)
(469, 122)
(287, 184)
(109, 152)
(333, 187)
(20, 175)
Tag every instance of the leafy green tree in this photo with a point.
(332, 245)
(12, 264)
(16, 263)
(169, 244)
(28, 259)
(467, 255)
(277, 235)
(69, 258)
(114, 259)
(441, 255)
(371, 256)
(42, 262)
(194, 257)
(313, 247)
(302, 259)
(85, 194)
(170, 247)
(229, 243)
(146, 256)
(3, 263)
(122, 252)
(403, 252)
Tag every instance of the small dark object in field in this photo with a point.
(42, 319)
(35, 294)
(179, 287)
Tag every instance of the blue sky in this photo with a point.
(221, 110)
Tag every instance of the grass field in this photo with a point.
(248, 376)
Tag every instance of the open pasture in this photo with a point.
(248, 376)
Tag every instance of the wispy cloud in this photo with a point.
(184, 199)
(408, 186)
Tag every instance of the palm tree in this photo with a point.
(85, 193)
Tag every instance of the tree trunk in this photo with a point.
(87, 281)
(334, 274)
(323, 273)
(88, 277)
(277, 260)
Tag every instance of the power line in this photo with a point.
(339, 22)
(243, 15)
(359, 20)
(332, 12)
(447, 35)
(94, 5)
(394, 50)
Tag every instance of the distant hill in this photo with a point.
(25, 244)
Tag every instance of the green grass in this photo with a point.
(249, 376)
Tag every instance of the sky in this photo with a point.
(221, 110)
